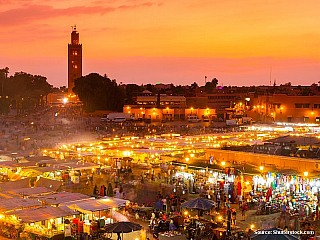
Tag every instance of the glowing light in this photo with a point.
(187, 159)
(261, 168)
(306, 174)
(65, 100)
(185, 213)
(223, 163)
(251, 226)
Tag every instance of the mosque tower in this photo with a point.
(74, 59)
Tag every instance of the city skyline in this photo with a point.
(178, 42)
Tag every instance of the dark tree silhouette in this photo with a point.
(99, 93)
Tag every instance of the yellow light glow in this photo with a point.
(251, 226)
(261, 168)
(51, 220)
(185, 213)
(128, 107)
(223, 163)
(114, 209)
(220, 218)
(187, 159)
(306, 174)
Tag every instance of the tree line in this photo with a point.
(22, 91)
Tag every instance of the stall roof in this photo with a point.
(80, 165)
(39, 158)
(297, 140)
(30, 191)
(48, 169)
(54, 185)
(62, 197)
(17, 203)
(150, 151)
(6, 186)
(11, 164)
(43, 213)
(93, 205)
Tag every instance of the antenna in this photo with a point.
(205, 80)
(270, 74)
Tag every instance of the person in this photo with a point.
(95, 189)
(218, 200)
(143, 234)
(244, 209)
(164, 204)
(225, 200)
(240, 201)
(118, 236)
(233, 216)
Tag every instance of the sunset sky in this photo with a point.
(168, 41)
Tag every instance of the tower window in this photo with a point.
(75, 53)
(75, 66)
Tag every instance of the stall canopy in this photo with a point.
(17, 203)
(93, 205)
(30, 191)
(23, 183)
(61, 197)
(43, 213)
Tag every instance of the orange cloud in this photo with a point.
(19, 16)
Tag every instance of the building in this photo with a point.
(74, 60)
(285, 108)
(166, 107)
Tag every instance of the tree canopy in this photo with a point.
(22, 90)
(210, 86)
(99, 93)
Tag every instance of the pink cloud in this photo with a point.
(31, 13)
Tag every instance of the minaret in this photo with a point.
(74, 59)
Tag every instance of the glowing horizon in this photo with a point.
(180, 42)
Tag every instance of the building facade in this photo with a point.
(74, 60)
(285, 108)
(166, 107)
